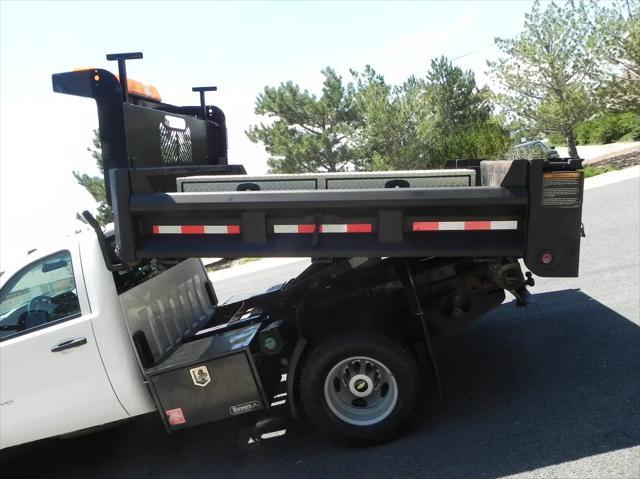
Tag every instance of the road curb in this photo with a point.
(612, 177)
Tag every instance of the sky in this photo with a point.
(238, 46)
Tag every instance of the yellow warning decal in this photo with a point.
(562, 189)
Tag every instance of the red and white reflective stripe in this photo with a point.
(486, 225)
(464, 225)
(348, 228)
(294, 228)
(196, 229)
(329, 228)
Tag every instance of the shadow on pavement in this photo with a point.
(523, 389)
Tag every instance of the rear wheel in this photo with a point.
(362, 387)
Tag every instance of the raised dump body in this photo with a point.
(163, 165)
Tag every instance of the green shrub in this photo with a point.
(632, 136)
(583, 133)
(609, 128)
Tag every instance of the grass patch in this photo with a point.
(629, 137)
(248, 260)
(590, 171)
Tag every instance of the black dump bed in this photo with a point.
(527, 209)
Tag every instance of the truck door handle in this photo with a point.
(72, 343)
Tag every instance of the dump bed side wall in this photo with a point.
(407, 222)
(168, 307)
(535, 214)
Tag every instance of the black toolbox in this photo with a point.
(212, 378)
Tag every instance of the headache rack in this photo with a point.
(152, 151)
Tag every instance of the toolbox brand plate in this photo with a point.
(244, 408)
(200, 376)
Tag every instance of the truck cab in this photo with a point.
(79, 340)
(66, 361)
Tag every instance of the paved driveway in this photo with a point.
(596, 152)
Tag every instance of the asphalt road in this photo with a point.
(547, 391)
(245, 286)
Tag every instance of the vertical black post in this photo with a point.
(122, 74)
(122, 69)
(203, 105)
(201, 90)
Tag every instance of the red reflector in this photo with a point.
(156, 229)
(192, 229)
(546, 257)
(233, 229)
(359, 228)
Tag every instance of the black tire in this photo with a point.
(327, 353)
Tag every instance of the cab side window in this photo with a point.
(41, 293)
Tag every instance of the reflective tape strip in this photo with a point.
(451, 225)
(359, 228)
(304, 228)
(504, 225)
(426, 226)
(333, 228)
(477, 225)
(329, 228)
(219, 230)
(485, 225)
(196, 229)
(290, 229)
(192, 229)
(165, 229)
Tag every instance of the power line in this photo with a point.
(469, 53)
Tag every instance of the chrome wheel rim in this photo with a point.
(360, 391)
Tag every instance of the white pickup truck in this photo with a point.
(66, 360)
